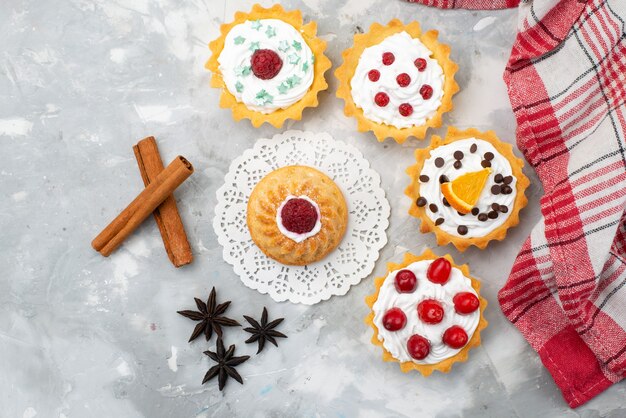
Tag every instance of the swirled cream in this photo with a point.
(396, 341)
(391, 88)
(266, 95)
(486, 217)
(296, 236)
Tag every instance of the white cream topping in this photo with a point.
(406, 50)
(431, 190)
(395, 341)
(288, 86)
(293, 235)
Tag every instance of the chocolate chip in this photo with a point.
(475, 211)
(503, 209)
(424, 178)
(458, 155)
(495, 189)
(439, 162)
(462, 230)
(473, 148)
(445, 202)
(508, 180)
(485, 163)
(439, 221)
(460, 213)
(498, 178)
(483, 217)
(433, 208)
(421, 202)
(493, 214)
(507, 189)
(457, 165)
(495, 206)
(488, 156)
(443, 179)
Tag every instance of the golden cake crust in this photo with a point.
(443, 366)
(268, 195)
(428, 225)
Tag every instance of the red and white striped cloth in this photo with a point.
(566, 293)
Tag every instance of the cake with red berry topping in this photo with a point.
(297, 215)
(269, 65)
(427, 313)
(397, 81)
(467, 188)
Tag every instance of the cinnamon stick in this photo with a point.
(166, 214)
(142, 206)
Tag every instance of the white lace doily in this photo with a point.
(365, 235)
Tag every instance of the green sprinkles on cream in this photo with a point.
(239, 87)
(293, 81)
(239, 40)
(263, 98)
(312, 59)
(293, 59)
(270, 32)
(305, 67)
(297, 45)
(256, 24)
(243, 71)
(283, 46)
(283, 88)
(254, 46)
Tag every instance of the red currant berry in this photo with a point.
(465, 302)
(405, 109)
(394, 319)
(388, 58)
(439, 271)
(418, 347)
(406, 282)
(430, 311)
(420, 63)
(455, 337)
(265, 63)
(373, 75)
(403, 79)
(426, 92)
(381, 99)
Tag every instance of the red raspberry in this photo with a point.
(430, 311)
(298, 216)
(266, 64)
(406, 282)
(439, 271)
(403, 79)
(373, 75)
(420, 63)
(465, 302)
(426, 92)
(394, 319)
(418, 347)
(405, 109)
(455, 337)
(388, 58)
(381, 99)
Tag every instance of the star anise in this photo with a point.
(225, 366)
(210, 315)
(263, 331)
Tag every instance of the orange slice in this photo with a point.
(463, 192)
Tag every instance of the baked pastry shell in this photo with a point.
(279, 116)
(377, 33)
(428, 225)
(443, 366)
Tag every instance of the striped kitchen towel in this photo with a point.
(566, 293)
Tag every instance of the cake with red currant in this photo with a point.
(269, 65)
(427, 313)
(397, 81)
(467, 188)
(297, 215)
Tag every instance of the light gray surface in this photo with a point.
(81, 335)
